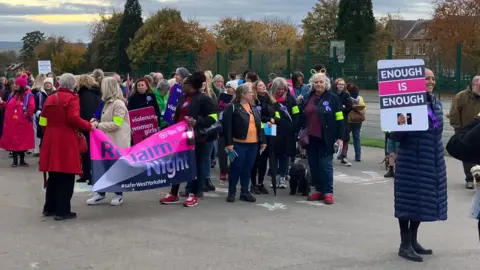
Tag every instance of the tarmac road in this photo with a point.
(283, 232)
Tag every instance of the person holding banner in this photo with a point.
(143, 96)
(115, 122)
(60, 149)
(200, 112)
(420, 177)
(243, 131)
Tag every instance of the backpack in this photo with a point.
(356, 115)
(25, 103)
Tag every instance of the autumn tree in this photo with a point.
(320, 23)
(457, 22)
(102, 50)
(356, 23)
(65, 56)
(131, 22)
(165, 33)
(234, 35)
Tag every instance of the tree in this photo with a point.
(234, 36)
(30, 41)
(131, 22)
(320, 23)
(166, 33)
(102, 50)
(7, 58)
(356, 23)
(457, 22)
(65, 56)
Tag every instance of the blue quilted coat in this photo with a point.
(420, 175)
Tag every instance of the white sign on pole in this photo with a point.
(403, 95)
(44, 66)
(340, 45)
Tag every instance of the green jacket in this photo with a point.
(162, 105)
(465, 106)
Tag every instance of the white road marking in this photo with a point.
(274, 206)
(317, 203)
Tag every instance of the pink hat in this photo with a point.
(21, 81)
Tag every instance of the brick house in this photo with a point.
(411, 39)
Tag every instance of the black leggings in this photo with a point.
(260, 166)
(21, 154)
(407, 226)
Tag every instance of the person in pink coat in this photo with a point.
(18, 134)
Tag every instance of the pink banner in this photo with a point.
(401, 87)
(163, 159)
(143, 122)
(174, 138)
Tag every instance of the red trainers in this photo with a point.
(328, 199)
(190, 201)
(170, 199)
(317, 196)
(223, 176)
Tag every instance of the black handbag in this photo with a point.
(211, 130)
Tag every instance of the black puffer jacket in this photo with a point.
(90, 100)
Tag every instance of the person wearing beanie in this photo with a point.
(46, 90)
(18, 125)
(175, 92)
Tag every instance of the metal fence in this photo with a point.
(359, 65)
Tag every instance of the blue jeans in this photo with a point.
(207, 161)
(282, 165)
(214, 150)
(356, 128)
(320, 163)
(241, 167)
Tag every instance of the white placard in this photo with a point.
(44, 66)
(403, 96)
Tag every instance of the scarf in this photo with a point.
(280, 99)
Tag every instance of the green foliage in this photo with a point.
(102, 50)
(165, 33)
(131, 22)
(30, 41)
(234, 35)
(356, 23)
(320, 23)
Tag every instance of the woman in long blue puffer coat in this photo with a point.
(420, 177)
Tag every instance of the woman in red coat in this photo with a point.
(18, 134)
(59, 152)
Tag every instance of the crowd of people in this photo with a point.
(313, 119)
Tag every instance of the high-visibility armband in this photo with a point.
(214, 116)
(295, 110)
(118, 120)
(339, 116)
(42, 121)
(277, 115)
(262, 125)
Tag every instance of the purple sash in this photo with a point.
(432, 117)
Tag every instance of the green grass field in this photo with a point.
(372, 142)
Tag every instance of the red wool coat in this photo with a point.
(59, 151)
(18, 134)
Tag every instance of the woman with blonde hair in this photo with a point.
(285, 141)
(90, 100)
(115, 122)
(36, 91)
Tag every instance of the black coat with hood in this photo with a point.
(287, 124)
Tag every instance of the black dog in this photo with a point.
(299, 179)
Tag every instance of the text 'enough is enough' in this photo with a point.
(408, 100)
(401, 73)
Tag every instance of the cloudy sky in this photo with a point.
(72, 18)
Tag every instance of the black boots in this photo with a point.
(390, 173)
(406, 250)
(209, 185)
(417, 247)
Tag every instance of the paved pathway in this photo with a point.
(283, 232)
